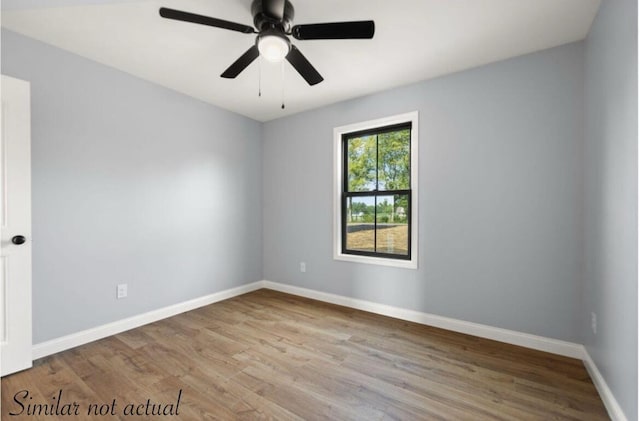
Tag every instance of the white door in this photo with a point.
(15, 227)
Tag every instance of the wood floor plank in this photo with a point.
(270, 355)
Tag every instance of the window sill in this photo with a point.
(381, 261)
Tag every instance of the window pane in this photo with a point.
(393, 160)
(361, 164)
(392, 229)
(360, 223)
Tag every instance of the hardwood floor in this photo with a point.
(269, 355)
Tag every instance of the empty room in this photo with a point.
(298, 210)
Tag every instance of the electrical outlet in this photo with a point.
(121, 291)
(594, 323)
(303, 267)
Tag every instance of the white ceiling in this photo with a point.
(414, 40)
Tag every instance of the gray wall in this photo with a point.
(611, 200)
(131, 183)
(500, 196)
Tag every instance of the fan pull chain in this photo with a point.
(282, 71)
(259, 76)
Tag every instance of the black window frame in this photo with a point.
(375, 193)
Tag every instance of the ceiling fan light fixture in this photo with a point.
(273, 47)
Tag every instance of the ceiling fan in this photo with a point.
(272, 19)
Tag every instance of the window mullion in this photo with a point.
(375, 203)
(377, 160)
(375, 223)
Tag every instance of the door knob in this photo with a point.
(18, 239)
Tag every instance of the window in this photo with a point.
(375, 204)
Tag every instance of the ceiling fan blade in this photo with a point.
(274, 8)
(302, 65)
(240, 64)
(363, 29)
(204, 20)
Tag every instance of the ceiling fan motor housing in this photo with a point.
(264, 20)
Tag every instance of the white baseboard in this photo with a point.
(610, 402)
(53, 346)
(540, 343)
